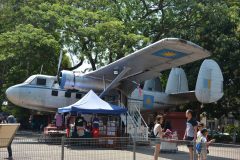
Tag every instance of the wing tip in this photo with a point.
(186, 42)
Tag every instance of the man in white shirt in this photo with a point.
(190, 132)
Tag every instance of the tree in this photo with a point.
(23, 52)
(87, 31)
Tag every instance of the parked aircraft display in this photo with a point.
(47, 93)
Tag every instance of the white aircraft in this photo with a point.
(121, 78)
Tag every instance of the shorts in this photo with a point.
(189, 144)
(156, 140)
(203, 154)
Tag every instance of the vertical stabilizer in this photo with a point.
(209, 86)
(153, 85)
(177, 81)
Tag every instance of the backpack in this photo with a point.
(199, 147)
(152, 135)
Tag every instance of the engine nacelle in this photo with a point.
(69, 80)
(209, 86)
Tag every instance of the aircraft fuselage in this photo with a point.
(41, 93)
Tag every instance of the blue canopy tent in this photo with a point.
(92, 104)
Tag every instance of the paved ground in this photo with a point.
(30, 149)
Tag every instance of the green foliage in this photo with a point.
(232, 128)
(89, 32)
(66, 61)
(24, 50)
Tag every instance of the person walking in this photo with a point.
(10, 119)
(158, 133)
(190, 132)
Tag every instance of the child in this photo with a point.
(202, 145)
(200, 127)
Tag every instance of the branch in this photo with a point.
(145, 5)
(76, 66)
(93, 64)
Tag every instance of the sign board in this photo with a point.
(7, 133)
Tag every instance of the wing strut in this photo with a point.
(115, 81)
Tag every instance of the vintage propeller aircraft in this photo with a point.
(47, 93)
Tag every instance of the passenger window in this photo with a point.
(54, 93)
(67, 94)
(41, 81)
(78, 95)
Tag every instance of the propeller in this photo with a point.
(60, 59)
(59, 65)
(60, 62)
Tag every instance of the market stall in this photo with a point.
(91, 117)
(92, 104)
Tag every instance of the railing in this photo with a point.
(136, 126)
(109, 148)
(142, 128)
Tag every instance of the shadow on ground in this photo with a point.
(179, 155)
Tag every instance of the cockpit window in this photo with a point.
(41, 81)
(30, 79)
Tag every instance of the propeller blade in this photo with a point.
(60, 57)
(59, 61)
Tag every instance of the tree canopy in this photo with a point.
(104, 31)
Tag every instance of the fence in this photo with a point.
(109, 149)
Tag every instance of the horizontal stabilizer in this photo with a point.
(190, 95)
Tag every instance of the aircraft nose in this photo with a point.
(12, 94)
(8, 92)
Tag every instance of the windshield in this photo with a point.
(30, 79)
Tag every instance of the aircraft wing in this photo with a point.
(148, 62)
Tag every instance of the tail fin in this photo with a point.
(209, 86)
(177, 81)
(153, 85)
